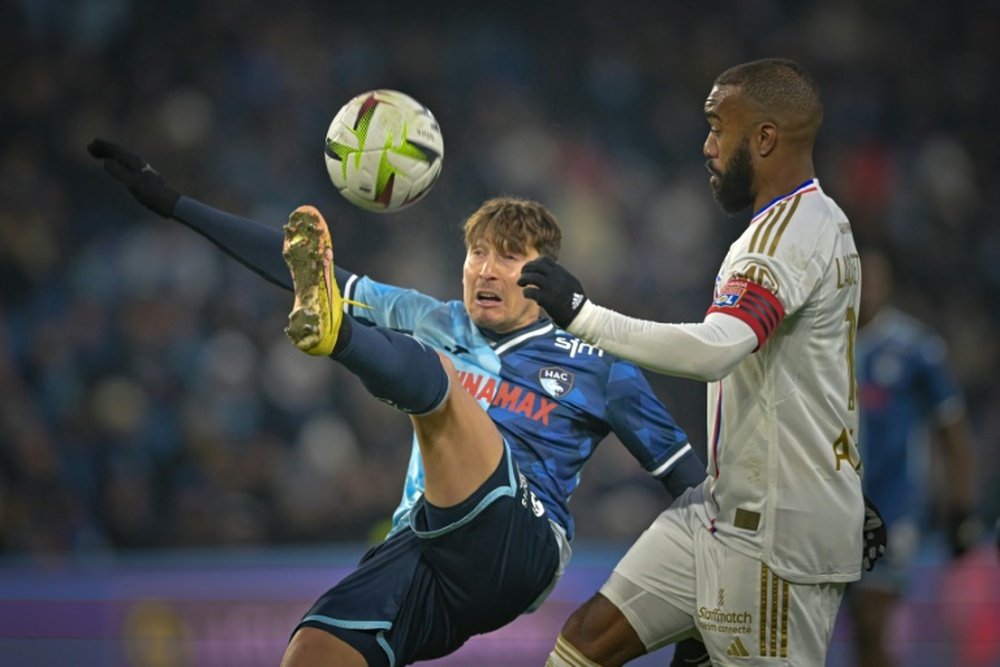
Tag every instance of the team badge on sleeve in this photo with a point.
(729, 294)
(750, 302)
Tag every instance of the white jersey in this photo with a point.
(784, 470)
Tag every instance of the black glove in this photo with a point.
(554, 288)
(147, 186)
(875, 536)
(690, 653)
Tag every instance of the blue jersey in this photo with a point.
(904, 383)
(552, 396)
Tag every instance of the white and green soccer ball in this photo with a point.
(384, 150)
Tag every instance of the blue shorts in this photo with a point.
(422, 593)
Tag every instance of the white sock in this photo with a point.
(565, 654)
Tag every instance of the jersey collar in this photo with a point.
(504, 342)
(809, 186)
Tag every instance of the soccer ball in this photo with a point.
(384, 150)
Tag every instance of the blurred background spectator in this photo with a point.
(149, 397)
(915, 444)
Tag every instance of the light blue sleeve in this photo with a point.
(388, 306)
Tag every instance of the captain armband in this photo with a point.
(751, 303)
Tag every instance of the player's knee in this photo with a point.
(598, 630)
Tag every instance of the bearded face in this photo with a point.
(733, 186)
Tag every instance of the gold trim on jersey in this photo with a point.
(768, 219)
(775, 596)
(776, 217)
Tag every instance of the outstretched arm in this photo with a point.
(706, 351)
(253, 244)
(648, 431)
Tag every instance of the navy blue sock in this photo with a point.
(393, 367)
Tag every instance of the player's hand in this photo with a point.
(145, 184)
(690, 653)
(554, 288)
(964, 531)
(875, 536)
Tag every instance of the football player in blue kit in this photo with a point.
(910, 399)
(506, 408)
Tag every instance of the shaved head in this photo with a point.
(782, 90)
(763, 119)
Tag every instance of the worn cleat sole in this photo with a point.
(314, 322)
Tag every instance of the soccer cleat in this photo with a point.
(314, 323)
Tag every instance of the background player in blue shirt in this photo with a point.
(483, 529)
(906, 389)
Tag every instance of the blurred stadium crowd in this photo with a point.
(149, 397)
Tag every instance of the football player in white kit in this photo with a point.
(756, 558)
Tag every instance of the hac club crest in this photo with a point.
(555, 381)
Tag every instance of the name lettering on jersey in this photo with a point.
(555, 381)
(848, 270)
(577, 346)
(508, 396)
(842, 447)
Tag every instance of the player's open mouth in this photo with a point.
(487, 297)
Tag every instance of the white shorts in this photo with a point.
(679, 580)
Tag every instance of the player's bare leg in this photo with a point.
(597, 633)
(459, 443)
(871, 611)
(310, 647)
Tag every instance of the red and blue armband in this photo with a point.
(751, 303)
